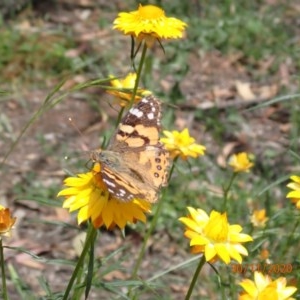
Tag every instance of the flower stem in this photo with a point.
(90, 237)
(195, 277)
(120, 116)
(3, 275)
(149, 232)
(138, 74)
(226, 191)
(147, 236)
(289, 239)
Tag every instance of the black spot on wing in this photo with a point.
(134, 134)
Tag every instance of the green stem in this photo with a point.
(147, 236)
(226, 191)
(232, 287)
(138, 74)
(172, 168)
(78, 292)
(120, 116)
(289, 239)
(150, 230)
(195, 277)
(3, 275)
(136, 84)
(91, 235)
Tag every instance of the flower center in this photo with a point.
(217, 229)
(150, 12)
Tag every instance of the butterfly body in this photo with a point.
(135, 163)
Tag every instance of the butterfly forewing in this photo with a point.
(139, 127)
(135, 163)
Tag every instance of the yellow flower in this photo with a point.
(263, 288)
(214, 236)
(149, 23)
(264, 254)
(6, 221)
(258, 218)
(127, 83)
(182, 144)
(88, 194)
(295, 194)
(240, 162)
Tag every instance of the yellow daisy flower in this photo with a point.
(181, 144)
(295, 194)
(263, 288)
(258, 218)
(127, 83)
(214, 236)
(88, 194)
(149, 23)
(6, 221)
(240, 162)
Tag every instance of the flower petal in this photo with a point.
(88, 194)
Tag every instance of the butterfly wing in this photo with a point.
(139, 128)
(135, 162)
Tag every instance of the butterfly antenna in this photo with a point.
(83, 145)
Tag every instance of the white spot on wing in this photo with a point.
(138, 113)
(109, 183)
(122, 192)
(150, 116)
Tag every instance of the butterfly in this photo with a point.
(135, 163)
